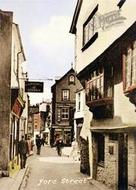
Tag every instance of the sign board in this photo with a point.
(33, 86)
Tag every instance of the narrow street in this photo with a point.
(50, 172)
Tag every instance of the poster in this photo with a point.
(68, 94)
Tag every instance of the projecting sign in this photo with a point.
(33, 86)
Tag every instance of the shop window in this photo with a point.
(65, 94)
(129, 68)
(89, 32)
(65, 113)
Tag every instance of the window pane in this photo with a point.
(65, 94)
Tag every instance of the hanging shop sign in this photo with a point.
(33, 86)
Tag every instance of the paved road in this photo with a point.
(50, 172)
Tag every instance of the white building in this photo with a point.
(19, 98)
(105, 64)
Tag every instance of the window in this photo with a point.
(65, 113)
(71, 79)
(95, 86)
(100, 83)
(65, 94)
(89, 32)
(129, 68)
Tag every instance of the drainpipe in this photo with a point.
(18, 66)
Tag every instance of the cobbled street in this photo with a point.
(51, 172)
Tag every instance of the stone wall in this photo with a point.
(108, 174)
(84, 153)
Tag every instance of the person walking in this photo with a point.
(59, 145)
(23, 151)
(38, 144)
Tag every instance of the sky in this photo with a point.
(49, 47)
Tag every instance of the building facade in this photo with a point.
(63, 107)
(45, 114)
(105, 65)
(13, 99)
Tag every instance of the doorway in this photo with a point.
(123, 162)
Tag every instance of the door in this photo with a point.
(123, 162)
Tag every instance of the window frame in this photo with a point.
(68, 98)
(69, 81)
(100, 84)
(65, 113)
(86, 26)
(90, 91)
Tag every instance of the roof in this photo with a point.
(130, 33)
(75, 17)
(57, 81)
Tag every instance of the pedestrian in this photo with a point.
(38, 144)
(43, 141)
(59, 145)
(23, 151)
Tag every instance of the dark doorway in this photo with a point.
(123, 162)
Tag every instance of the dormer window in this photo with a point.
(71, 79)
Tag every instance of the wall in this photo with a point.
(132, 159)
(106, 36)
(109, 173)
(5, 77)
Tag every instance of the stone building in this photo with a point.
(13, 99)
(63, 107)
(105, 38)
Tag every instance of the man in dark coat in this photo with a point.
(23, 151)
(38, 144)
